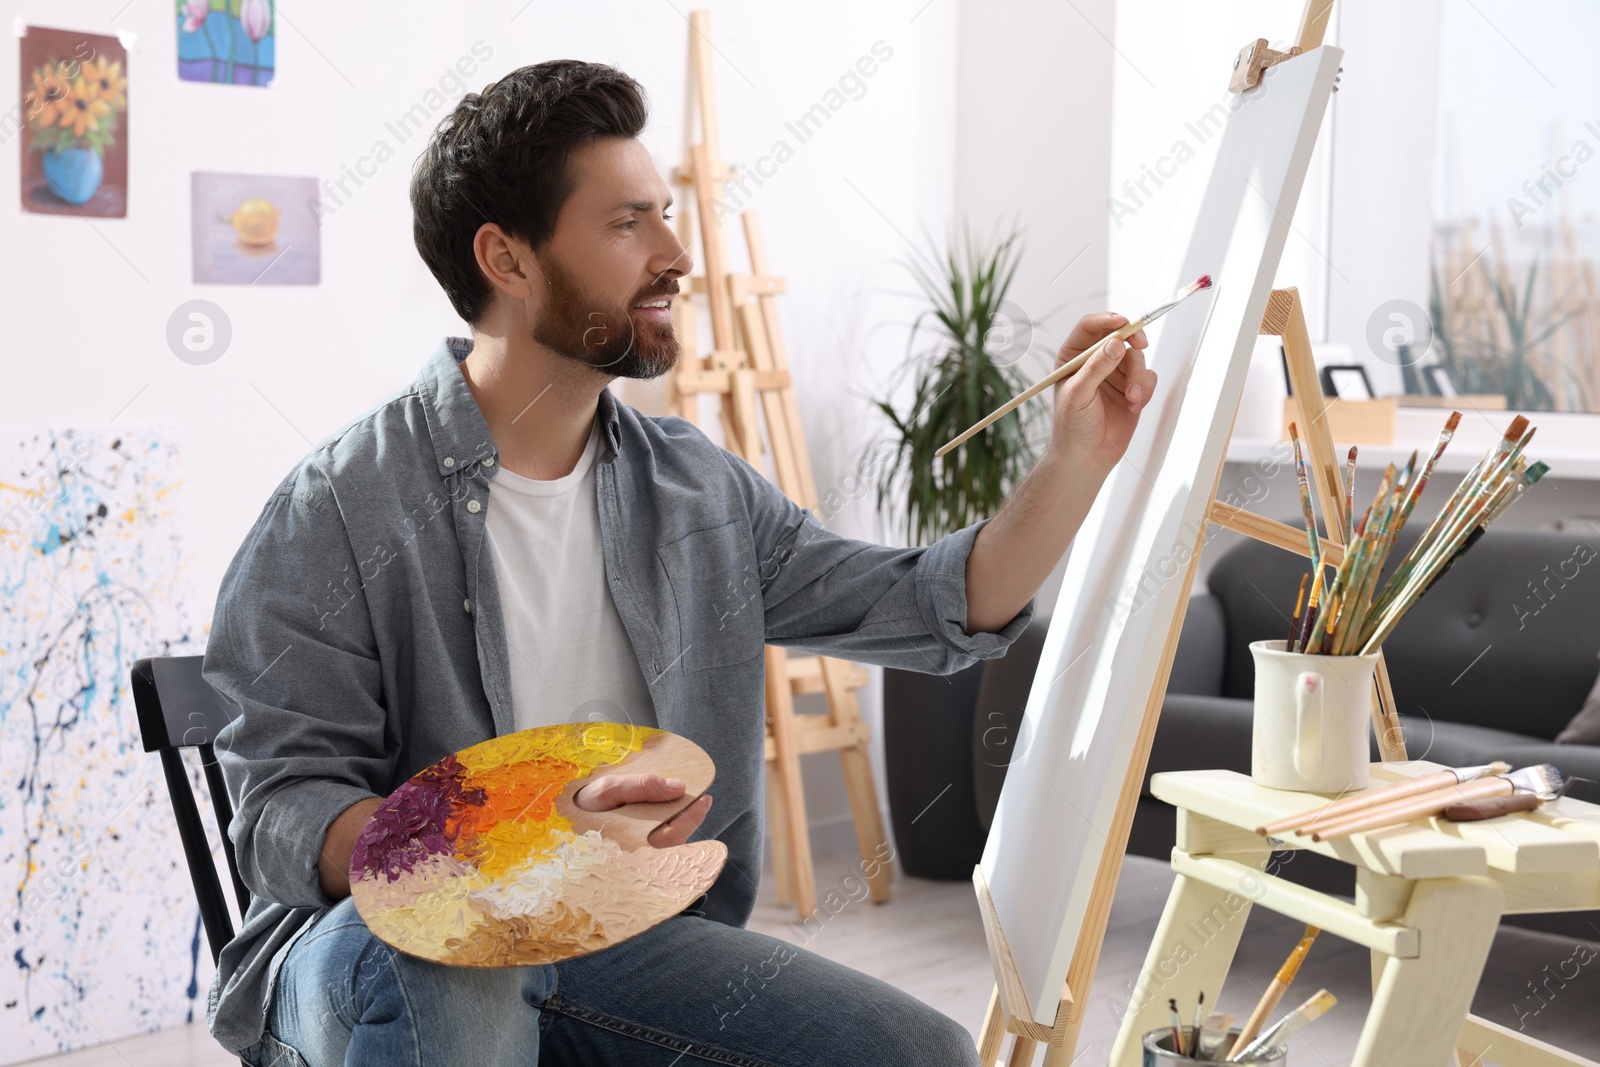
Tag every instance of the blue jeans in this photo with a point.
(688, 990)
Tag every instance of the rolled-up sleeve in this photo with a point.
(831, 595)
(296, 653)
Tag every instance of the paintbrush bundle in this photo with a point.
(1350, 614)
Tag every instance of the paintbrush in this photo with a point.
(1177, 1027)
(1350, 495)
(1073, 365)
(1305, 499)
(1452, 507)
(1376, 552)
(1213, 1035)
(1468, 506)
(1542, 780)
(1199, 1021)
(1294, 623)
(1505, 500)
(1310, 1011)
(1477, 810)
(1311, 613)
(1275, 991)
(1339, 809)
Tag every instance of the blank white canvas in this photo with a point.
(1124, 579)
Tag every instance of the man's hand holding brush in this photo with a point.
(1095, 413)
(1097, 408)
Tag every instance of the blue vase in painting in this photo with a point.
(73, 173)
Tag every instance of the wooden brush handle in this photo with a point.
(1258, 1018)
(1066, 370)
(1405, 811)
(1339, 809)
(1473, 810)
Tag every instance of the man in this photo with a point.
(503, 545)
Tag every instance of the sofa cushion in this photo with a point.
(997, 740)
(1202, 648)
(1584, 729)
(1457, 744)
(1197, 732)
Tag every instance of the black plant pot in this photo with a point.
(927, 740)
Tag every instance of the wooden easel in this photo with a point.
(1008, 1011)
(1285, 318)
(748, 369)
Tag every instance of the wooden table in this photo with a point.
(1429, 896)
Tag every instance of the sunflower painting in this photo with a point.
(230, 42)
(75, 123)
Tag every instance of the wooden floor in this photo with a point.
(929, 942)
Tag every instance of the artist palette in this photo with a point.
(483, 860)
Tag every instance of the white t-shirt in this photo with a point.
(571, 660)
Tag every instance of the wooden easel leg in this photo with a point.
(993, 1032)
(845, 710)
(1022, 1050)
(780, 709)
(778, 831)
(1419, 1004)
(857, 766)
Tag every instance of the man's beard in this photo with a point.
(600, 334)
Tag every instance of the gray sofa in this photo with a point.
(1482, 668)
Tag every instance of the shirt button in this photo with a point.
(449, 461)
(474, 507)
(467, 604)
(488, 461)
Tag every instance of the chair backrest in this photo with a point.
(178, 709)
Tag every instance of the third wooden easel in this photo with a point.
(748, 370)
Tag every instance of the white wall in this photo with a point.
(1033, 125)
(304, 360)
(1384, 118)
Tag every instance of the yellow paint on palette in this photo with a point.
(472, 861)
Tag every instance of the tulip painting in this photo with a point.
(227, 42)
(74, 108)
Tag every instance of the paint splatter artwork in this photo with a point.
(100, 927)
(482, 860)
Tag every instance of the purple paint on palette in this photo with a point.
(412, 824)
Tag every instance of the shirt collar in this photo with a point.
(461, 436)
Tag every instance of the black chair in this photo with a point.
(179, 709)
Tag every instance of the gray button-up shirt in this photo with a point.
(359, 629)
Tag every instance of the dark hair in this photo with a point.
(501, 156)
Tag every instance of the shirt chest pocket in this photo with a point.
(717, 589)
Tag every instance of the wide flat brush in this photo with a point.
(1310, 1011)
(1075, 364)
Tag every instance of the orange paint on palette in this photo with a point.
(475, 861)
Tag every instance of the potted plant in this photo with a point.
(960, 365)
(72, 109)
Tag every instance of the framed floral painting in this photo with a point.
(229, 42)
(74, 123)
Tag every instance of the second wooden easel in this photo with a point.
(748, 370)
